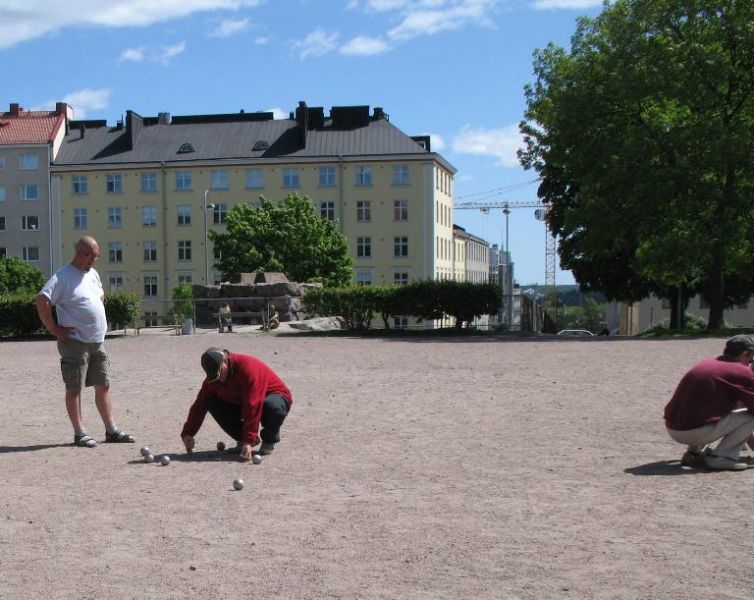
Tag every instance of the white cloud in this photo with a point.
(132, 54)
(23, 20)
(565, 4)
(437, 142)
(365, 46)
(85, 100)
(167, 54)
(278, 113)
(317, 43)
(262, 40)
(501, 143)
(436, 16)
(230, 27)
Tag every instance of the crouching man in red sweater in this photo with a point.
(240, 392)
(715, 401)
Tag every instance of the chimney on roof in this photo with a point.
(61, 108)
(164, 118)
(302, 121)
(380, 114)
(15, 109)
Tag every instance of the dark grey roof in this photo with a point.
(144, 140)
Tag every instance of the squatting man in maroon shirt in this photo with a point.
(240, 392)
(715, 401)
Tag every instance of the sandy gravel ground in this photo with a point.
(409, 469)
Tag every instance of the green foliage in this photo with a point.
(16, 276)
(183, 307)
(287, 236)
(18, 314)
(421, 299)
(643, 135)
(591, 316)
(122, 308)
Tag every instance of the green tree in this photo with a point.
(183, 301)
(16, 276)
(643, 135)
(287, 236)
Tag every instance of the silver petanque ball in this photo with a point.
(149, 458)
(238, 484)
(256, 458)
(164, 460)
(221, 446)
(145, 450)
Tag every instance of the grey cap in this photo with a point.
(212, 361)
(738, 344)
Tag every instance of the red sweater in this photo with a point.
(249, 381)
(710, 391)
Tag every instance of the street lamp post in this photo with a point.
(206, 237)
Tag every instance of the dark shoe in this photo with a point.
(85, 441)
(693, 458)
(266, 448)
(119, 437)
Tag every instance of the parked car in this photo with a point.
(574, 332)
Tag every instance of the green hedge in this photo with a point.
(358, 305)
(18, 315)
(122, 309)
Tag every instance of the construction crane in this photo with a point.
(550, 299)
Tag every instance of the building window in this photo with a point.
(327, 177)
(114, 219)
(254, 179)
(327, 210)
(363, 210)
(218, 254)
(186, 148)
(185, 277)
(114, 183)
(2, 193)
(400, 210)
(115, 252)
(290, 177)
(363, 247)
(400, 322)
(150, 317)
(30, 223)
(400, 174)
(3, 251)
(400, 278)
(149, 216)
(219, 179)
(2, 163)
(184, 249)
(148, 182)
(219, 213)
(28, 191)
(400, 246)
(260, 146)
(28, 162)
(31, 253)
(80, 220)
(2, 223)
(80, 184)
(116, 281)
(363, 175)
(183, 181)
(184, 214)
(363, 278)
(150, 286)
(150, 251)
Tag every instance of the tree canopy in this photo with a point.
(18, 276)
(288, 237)
(643, 137)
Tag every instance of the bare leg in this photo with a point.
(104, 403)
(73, 406)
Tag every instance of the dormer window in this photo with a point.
(186, 148)
(260, 146)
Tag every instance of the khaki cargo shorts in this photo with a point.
(83, 364)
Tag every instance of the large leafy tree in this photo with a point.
(643, 135)
(18, 276)
(288, 237)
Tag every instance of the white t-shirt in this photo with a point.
(77, 298)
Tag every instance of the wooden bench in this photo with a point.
(260, 315)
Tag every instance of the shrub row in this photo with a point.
(358, 305)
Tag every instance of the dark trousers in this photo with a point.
(228, 417)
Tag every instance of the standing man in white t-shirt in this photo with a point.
(76, 293)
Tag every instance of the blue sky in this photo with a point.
(452, 69)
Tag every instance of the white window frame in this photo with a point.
(115, 252)
(183, 212)
(184, 277)
(401, 175)
(218, 179)
(219, 213)
(400, 278)
(148, 182)
(400, 210)
(149, 216)
(327, 177)
(27, 253)
(364, 247)
(115, 281)
(291, 177)
(24, 192)
(114, 183)
(28, 162)
(79, 184)
(150, 282)
(183, 181)
(363, 278)
(114, 217)
(363, 176)
(363, 211)
(29, 223)
(327, 210)
(150, 251)
(254, 179)
(184, 250)
(400, 246)
(80, 218)
(2, 193)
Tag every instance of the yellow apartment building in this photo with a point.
(150, 188)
